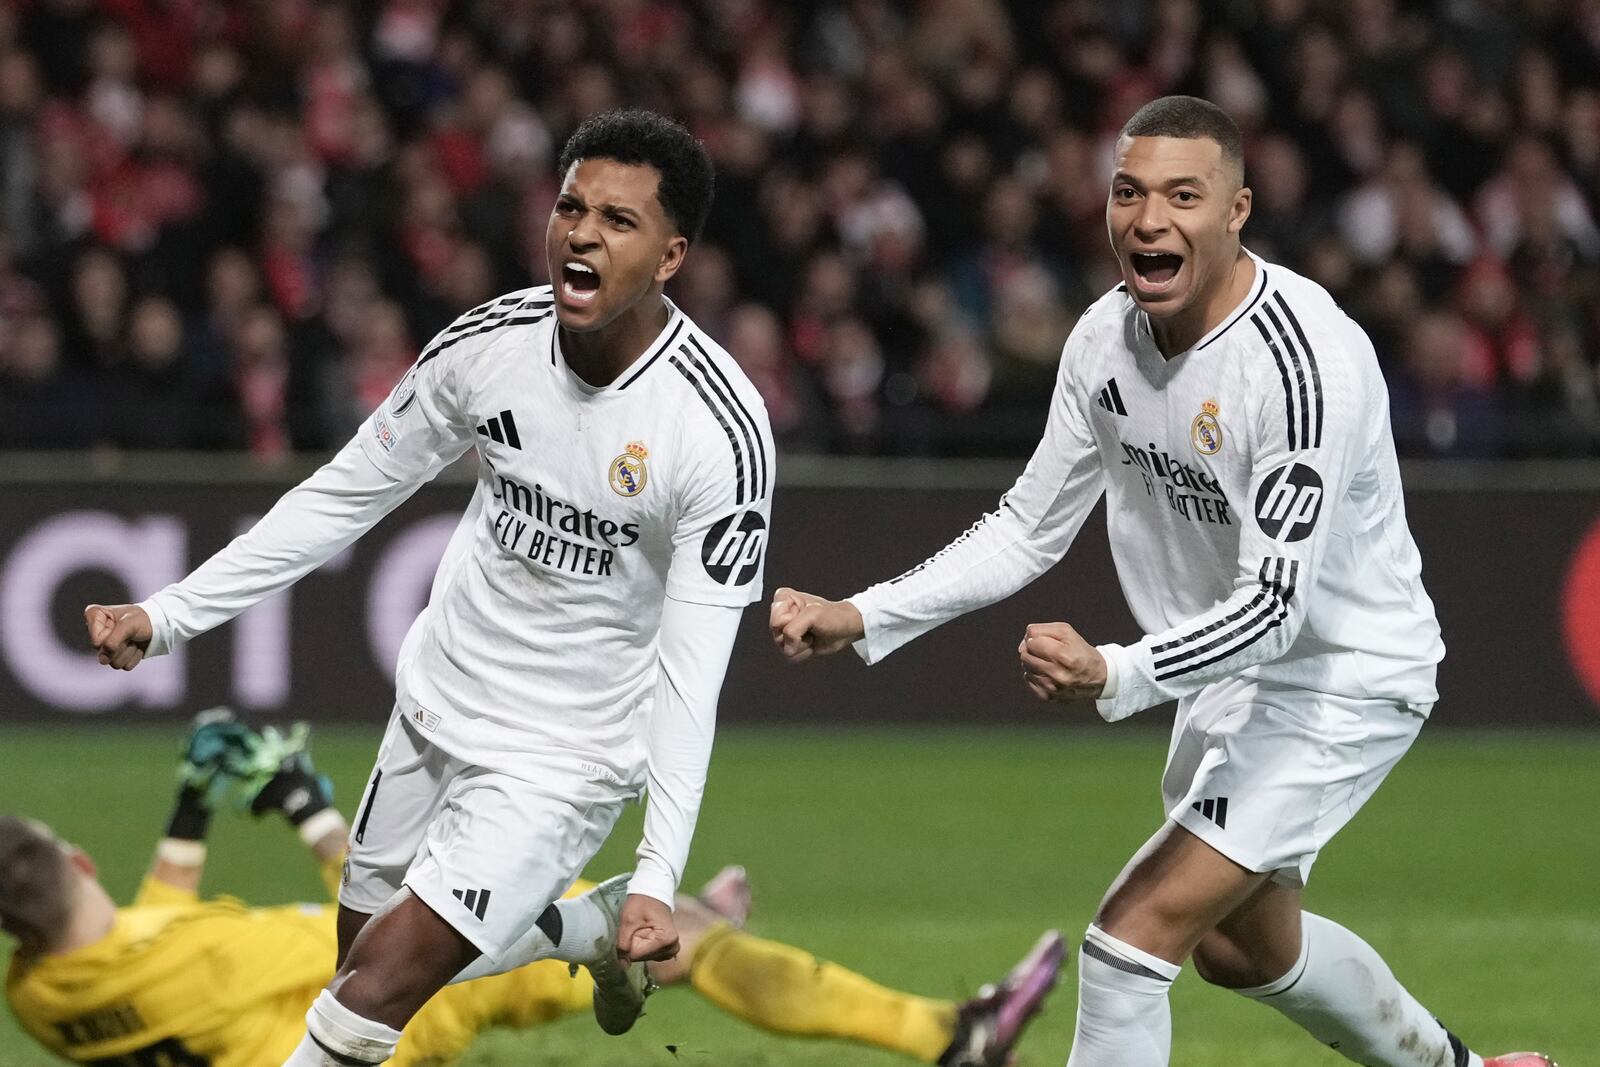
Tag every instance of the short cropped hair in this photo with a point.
(35, 884)
(1190, 117)
(637, 136)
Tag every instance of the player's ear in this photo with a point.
(81, 861)
(1240, 212)
(672, 258)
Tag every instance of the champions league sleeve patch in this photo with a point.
(1288, 502)
(732, 549)
(385, 432)
(405, 394)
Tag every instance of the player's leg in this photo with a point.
(1327, 980)
(1313, 970)
(394, 950)
(788, 991)
(524, 997)
(496, 857)
(403, 955)
(1175, 889)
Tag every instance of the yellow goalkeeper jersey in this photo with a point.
(180, 982)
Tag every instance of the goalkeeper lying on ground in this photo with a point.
(174, 981)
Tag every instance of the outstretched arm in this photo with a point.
(1002, 552)
(311, 523)
(418, 431)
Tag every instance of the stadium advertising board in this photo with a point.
(1515, 575)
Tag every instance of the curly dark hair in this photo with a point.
(1189, 117)
(634, 135)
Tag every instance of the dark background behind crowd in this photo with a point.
(234, 223)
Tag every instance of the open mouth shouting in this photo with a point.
(1155, 272)
(580, 283)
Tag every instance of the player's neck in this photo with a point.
(1182, 331)
(600, 356)
(94, 914)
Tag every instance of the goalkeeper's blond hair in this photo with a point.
(35, 884)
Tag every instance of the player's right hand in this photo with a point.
(804, 625)
(121, 633)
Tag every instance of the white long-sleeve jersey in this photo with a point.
(1253, 503)
(580, 622)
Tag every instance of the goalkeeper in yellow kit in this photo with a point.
(174, 981)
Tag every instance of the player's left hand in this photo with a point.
(645, 930)
(1058, 664)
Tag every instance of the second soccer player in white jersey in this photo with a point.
(1236, 423)
(579, 625)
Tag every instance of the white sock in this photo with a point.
(307, 1054)
(582, 923)
(1342, 992)
(1123, 1017)
(338, 1037)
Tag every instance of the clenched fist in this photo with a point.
(120, 633)
(1060, 665)
(804, 625)
(645, 930)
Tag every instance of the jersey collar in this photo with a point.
(1250, 301)
(670, 334)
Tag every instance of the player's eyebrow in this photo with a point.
(1169, 183)
(606, 209)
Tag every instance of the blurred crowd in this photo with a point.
(234, 223)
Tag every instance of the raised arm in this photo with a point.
(227, 764)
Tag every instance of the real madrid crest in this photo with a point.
(1206, 432)
(628, 472)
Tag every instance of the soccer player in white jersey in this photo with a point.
(579, 625)
(1237, 423)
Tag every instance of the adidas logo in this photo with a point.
(1215, 810)
(1110, 399)
(476, 900)
(502, 430)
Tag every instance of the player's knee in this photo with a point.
(404, 956)
(1157, 922)
(1223, 961)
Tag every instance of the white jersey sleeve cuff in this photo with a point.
(160, 627)
(879, 637)
(654, 884)
(863, 647)
(1117, 669)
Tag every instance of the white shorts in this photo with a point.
(1266, 775)
(486, 851)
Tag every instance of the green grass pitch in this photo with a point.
(930, 860)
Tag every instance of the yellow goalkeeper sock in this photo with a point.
(788, 991)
